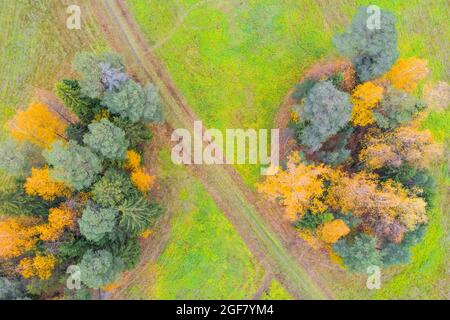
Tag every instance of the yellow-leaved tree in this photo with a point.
(58, 220)
(40, 266)
(299, 188)
(365, 97)
(142, 180)
(40, 184)
(37, 125)
(17, 236)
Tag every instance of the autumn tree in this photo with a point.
(59, 219)
(40, 184)
(365, 197)
(372, 48)
(99, 268)
(133, 160)
(17, 236)
(135, 103)
(40, 266)
(37, 125)
(365, 97)
(405, 145)
(406, 73)
(75, 165)
(106, 139)
(97, 222)
(299, 188)
(325, 111)
(332, 231)
(142, 180)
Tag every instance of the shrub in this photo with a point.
(372, 51)
(326, 110)
(311, 221)
(359, 253)
(73, 164)
(11, 289)
(107, 139)
(393, 253)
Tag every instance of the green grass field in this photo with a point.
(36, 50)
(234, 61)
(204, 257)
(275, 292)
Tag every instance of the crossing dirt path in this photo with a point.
(258, 221)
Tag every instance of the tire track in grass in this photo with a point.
(276, 247)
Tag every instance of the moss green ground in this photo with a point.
(235, 60)
(204, 257)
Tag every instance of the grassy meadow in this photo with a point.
(234, 61)
(204, 257)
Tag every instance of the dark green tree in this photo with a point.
(135, 103)
(138, 214)
(358, 253)
(106, 139)
(372, 46)
(96, 222)
(99, 268)
(69, 91)
(76, 166)
(113, 189)
(325, 111)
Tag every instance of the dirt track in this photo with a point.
(259, 222)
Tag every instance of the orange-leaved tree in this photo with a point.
(142, 180)
(17, 236)
(37, 125)
(332, 231)
(406, 73)
(299, 188)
